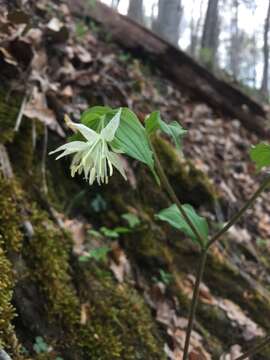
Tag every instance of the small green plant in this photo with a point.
(164, 276)
(98, 204)
(40, 346)
(99, 254)
(104, 133)
(131, 219)
(81, 29)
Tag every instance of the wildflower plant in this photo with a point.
(104, 133)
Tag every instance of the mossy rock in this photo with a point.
(190, 184)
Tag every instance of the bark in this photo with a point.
(180, 67)
(135, 11)
(209, 42)
(194, 31)
(167, 23)
(264, 86)
(234, 47)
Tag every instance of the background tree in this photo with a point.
(209, 43)
(264, 85)
(168, 20)
(235, 41)
(135, 10)
(195, 26)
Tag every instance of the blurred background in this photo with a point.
(230, 37)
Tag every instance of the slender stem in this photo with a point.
(167, 186)
(236, 217)
(194, 302)
(255, 349)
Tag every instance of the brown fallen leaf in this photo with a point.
(85, 313)
(36, 108)
(234, 352)
(119, 263)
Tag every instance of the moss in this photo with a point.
(120, 325)
(6, 309)
(189, 183)
(10, 240)
(9, 108)
(48, 255)
(10, 223)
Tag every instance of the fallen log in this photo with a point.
(177, 65)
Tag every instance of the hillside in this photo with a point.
(132, 301)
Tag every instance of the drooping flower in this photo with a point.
(94, 157)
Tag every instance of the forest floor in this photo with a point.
(130, 299)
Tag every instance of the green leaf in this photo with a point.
(260, 154)
(122, 230)
(99, 254)
(173, 216)
(132, 219)
(165, 277)
(111, 233)
(94, 233)
(131, 138)
(173, 129)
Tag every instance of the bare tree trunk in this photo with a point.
(115, 3)
(264, 86)
(194, 30)
(167, 23)
(135, 10)
(209, 42)
(234, 46)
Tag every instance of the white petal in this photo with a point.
(109, 131)
(88, 133)
(117, 163)
(73, 145)
(92, 176)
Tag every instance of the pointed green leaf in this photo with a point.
(260, 154)
(173, 216)
(131, 139)
(132, 219)
(173, 129)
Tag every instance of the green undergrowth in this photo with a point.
(9, 108)
(10, 242)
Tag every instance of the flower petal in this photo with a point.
(109, 131)
(117, 163)
(73, 145)
(88, 133)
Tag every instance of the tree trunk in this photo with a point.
(210, 35)
(234, 46)
(264, 86)
(135, 11)
(194, 31)
(167, 24)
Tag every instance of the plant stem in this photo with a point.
(194, 302)
(255, 349)
(236, 217)
(167, 186)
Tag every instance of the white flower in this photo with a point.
(93, 157)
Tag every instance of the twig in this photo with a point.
(43, 160)
(5, 165)
(255, 349)
(236, 217)
(20, 114)
(194, 302)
